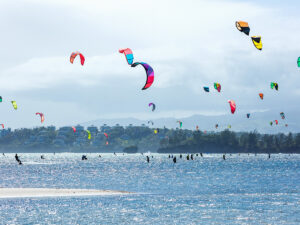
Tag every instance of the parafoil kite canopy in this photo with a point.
(248, 115)
(150, 121)
(232, 106)
(217, 125)
(180, 123)
(274, 85)
(282, 115)
(14, 105)
(257, 42)
(217, 86)
(153, 106)
(74, 129)
(89, 134)
(0, 98)
(276, 121)
(298, 61)
(41, 115)
(128, 55)
(261, 95)
(271, 123)
(2, 125)
(243, 27)
(73, 56)
(206, 89)
(149, 73)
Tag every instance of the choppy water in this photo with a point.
(240, 190)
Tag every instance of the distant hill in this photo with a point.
(258, 121)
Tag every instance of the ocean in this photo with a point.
(243, 189)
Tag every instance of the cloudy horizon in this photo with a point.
(189, 44)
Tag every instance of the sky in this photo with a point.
(189, 44)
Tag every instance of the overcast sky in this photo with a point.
(189, 44)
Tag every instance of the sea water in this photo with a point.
(243, 189)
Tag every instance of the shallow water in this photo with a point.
(240, 190)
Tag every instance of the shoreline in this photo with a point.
(54, 192)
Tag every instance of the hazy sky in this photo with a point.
(189, 44)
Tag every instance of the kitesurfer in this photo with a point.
(180, 156)
(148, 159)
(18, 159)
(187, 157)
(42, 157)
(201, 154)
(83, 157)
(174, 159)
(269, 155)
(192, 157)
(224, 156)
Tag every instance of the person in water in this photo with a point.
(224, 156)
(187, 157)
(18, 159)
(42, 157)
(148, 159)
(269, 155)
(192, 157)
(83, 157)
(174, 159)
(180, 156)
(201, 154)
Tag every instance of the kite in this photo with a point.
(0, 98)
(232, 106)
(197, 128)
(206, 89)
(248, 115)
(261, 95)
(282, 115)
(150, 121)
(41, 115)
(156, 131)
(106, 135)
(243, 27)
(73, 56)
(180, 123)
(14, 105)
(153, 106)
(2, 125)
(298, 61)
(217, 86)
(217, 125)
(128, 55)
(276, 121)
(229, 126)
(149, 73)
(89, 134)
(257, 42)
(274, 85)
(271, 123)
(74, 129)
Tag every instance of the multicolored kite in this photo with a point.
(206, 89)
(153, 106)
(149, 73)
(274, 85)
(243, 27)
(257, 42)
(41, 115)
(128, 55)
(261, 95)
(73, 56)
(217, 86)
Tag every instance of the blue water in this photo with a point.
(240, 190)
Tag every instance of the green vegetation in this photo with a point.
(143, 139)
